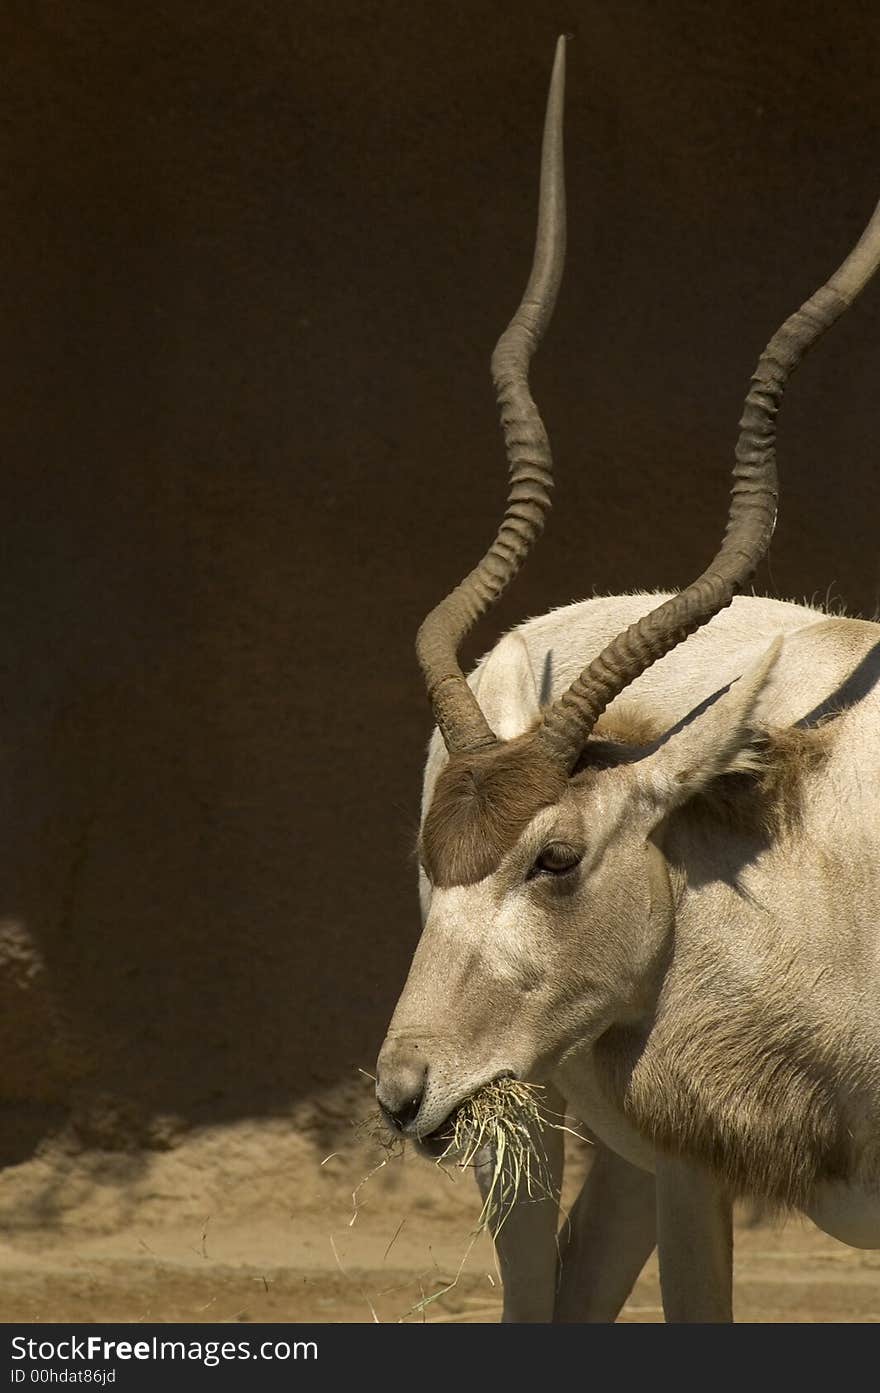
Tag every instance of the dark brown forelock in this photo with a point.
(482, 802)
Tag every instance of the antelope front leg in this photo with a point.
(695, 1244)
(525, 1238)
(610, 1236)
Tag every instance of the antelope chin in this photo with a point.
(435, 1144)
(440, 1143)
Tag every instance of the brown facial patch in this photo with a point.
(482, 802)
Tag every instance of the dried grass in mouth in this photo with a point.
(499, 1129)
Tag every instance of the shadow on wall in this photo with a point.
(256, 267)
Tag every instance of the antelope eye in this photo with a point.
(556, 859)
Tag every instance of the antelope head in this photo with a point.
(546, 908)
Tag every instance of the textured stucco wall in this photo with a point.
(254, 261)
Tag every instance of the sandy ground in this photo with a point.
(245, 1223)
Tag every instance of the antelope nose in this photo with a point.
(401, 1077)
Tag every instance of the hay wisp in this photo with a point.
(499, 1129)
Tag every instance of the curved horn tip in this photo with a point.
(557, 76)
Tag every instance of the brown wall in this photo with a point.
(254, 260)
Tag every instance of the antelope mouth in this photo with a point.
(450, 1137)
(446, 1138)
(434, 1145)
(475, 1121)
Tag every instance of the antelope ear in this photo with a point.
(506, 689)
(718, 740)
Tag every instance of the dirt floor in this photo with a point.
(258, 1222)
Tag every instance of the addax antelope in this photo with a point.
(650, 874)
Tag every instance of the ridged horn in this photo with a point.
(750, 522)
(458, 716)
